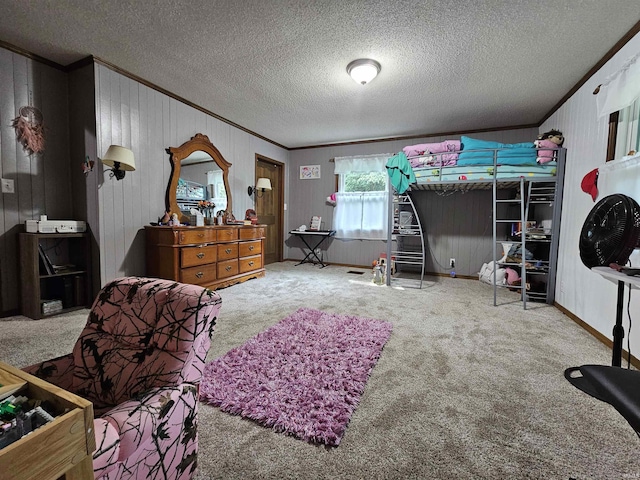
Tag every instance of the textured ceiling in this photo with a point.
(278, 68)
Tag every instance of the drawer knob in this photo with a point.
(250, 247)
(201, 235)
(251, 263)
(228, 250)
(200, 255)
(227, 268)
(199, 274)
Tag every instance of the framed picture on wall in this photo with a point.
(309, 172)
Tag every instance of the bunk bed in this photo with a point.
(479, 161)
(472, 164)
(189, 194)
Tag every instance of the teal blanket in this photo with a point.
(400, 172)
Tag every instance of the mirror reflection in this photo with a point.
(199, 180)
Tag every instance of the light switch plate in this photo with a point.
(8, 186)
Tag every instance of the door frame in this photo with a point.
(280, 226)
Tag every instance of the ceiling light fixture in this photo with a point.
(363, 70)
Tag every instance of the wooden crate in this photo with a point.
(60, 449)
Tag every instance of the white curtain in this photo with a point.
(620, 89)
(361, 215)
(361, 163)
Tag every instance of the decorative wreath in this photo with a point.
(30, 129)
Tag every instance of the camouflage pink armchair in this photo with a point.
(139, 360)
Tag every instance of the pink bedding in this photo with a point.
(426, 148)
(437, 160)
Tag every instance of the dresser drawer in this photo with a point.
(249, 233)
(191, 256)
(249, 248)
(228, 268)
(227, 234)
(198, 275)
(204, 235)
(227, 251)
(248, 264)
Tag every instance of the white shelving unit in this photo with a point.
(405, 245)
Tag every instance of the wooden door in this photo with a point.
(270, 207)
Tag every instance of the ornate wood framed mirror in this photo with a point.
(199, 172)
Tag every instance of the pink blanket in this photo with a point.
(426, 148)
(437, 160)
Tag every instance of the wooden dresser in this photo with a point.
(211, 256)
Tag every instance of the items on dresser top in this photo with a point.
(211, 256)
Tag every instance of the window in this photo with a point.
(362, 182)
(361, 202)
(626, 131)
(619, 97)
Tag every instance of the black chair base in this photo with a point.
(619, 387)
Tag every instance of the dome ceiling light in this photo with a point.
(363, 70)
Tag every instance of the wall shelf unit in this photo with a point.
(55, 273)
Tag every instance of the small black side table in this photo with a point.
(317, 236)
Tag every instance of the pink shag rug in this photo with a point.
(303, 376)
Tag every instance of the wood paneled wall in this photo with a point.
(85, 111)
(42, 183)
(133, 115)
(582, 292)
(458, 226)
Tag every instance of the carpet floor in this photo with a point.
(303, 376)
(463, 389)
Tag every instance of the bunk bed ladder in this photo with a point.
(405, 230)
(497, 220)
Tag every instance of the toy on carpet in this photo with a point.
(382, 261)
(378, 273)
(512, 278)
(550, 139)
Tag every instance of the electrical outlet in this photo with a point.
(8, 186)
(452, 262)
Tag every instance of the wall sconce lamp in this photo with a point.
(363, 70)
(120, 159)
(262, 185)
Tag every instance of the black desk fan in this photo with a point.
(609, 235)
(610, 232)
